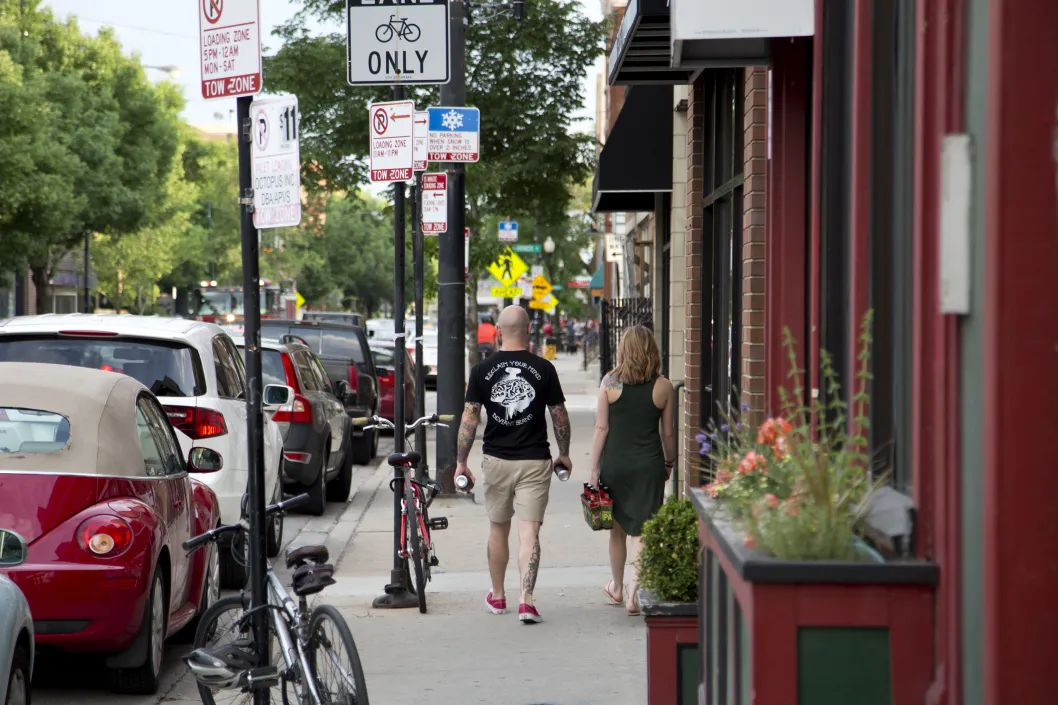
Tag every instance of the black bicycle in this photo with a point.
(399, 27)
(416, 543)
(305, 666)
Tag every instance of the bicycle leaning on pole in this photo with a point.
(416, 543)
(304, 669)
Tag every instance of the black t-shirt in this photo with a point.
(515, 387)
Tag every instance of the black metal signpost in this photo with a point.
(419, 265)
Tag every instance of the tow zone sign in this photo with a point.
(392, 128)
(230, 47)
(434, 203)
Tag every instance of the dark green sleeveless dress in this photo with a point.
(633, 462)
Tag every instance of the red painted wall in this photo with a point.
(1021, 354)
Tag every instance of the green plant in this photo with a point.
(668, 562)
(798, 484)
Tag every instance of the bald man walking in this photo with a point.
(514, 386)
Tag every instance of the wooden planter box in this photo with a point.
(809, 633)
(673, 657)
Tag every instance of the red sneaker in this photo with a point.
(496, 606)
(527, 614)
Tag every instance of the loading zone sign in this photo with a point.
(230, 47)
(397, 42)
(392, 127)
(434, 204)
(276, 164)
(454, 134)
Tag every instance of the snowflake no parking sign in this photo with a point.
(453, 134)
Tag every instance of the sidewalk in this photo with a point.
(585, 652)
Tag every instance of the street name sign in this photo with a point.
(530, 248)
(230, 47)
(434, 204)
(391, 126)
(454, 135)
(391, 42)
(508, 268)
(508, 231)
(422, 120)
(507, 292)
(276, 163)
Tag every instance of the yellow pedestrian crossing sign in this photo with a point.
(508, 268)
(541, 288)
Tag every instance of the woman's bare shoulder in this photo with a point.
(611, 382)
(662, 384)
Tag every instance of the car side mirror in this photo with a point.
(341, 389)
(203, 460)
(13, 549)
(277, 395)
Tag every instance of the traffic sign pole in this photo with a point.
(254, 416)
(397, 595)
(451, 372)
(418, 256)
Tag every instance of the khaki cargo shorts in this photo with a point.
(516, 486)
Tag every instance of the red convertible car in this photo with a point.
(92, 477)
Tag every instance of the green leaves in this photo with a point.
(668, 562)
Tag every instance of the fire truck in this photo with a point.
(224, 304)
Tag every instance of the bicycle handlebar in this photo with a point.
(213, 534)
(432, 420)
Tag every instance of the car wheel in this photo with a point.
(364, 447)
(338, 488)
(274, 525)
(233, 573)
(18, 683)
(318, 492)
(144, 679)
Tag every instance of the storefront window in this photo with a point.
(891, 265)
(722, 249)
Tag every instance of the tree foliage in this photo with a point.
(100, 149)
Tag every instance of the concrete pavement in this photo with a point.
(584, 653)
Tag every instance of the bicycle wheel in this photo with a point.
(339, 682)
(416, 549)
(384, 33)
(411, 32)
(219, 625)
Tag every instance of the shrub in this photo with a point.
(668, 562)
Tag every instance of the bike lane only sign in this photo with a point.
(391, 127)
(397, 42)
(230, 47)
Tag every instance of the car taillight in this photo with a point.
(386, 380)
(302, 412)
(354, 380)
(105, 536)
(197, 423)
(292, 379)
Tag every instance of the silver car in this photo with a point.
(16, 626)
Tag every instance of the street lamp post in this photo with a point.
(549, 249)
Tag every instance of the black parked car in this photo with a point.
(317, 433)
(345, 356)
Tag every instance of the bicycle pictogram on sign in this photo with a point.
(212, 10)
(399, 27)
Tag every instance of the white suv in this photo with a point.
(197, 374)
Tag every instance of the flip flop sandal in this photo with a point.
(609, 595)
(637, 611)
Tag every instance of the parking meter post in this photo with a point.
(396, 594)
(254, 415)
(418, 246)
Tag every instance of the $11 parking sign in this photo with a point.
(276, 164)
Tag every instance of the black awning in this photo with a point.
(642, 50)
(636, 161)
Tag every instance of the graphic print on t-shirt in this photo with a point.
(514, 394)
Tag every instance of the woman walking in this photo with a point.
(633, 450)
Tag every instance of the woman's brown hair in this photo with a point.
(638, 357)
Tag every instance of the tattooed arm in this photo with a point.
(602, 425)
(468, 431)
(563, 432)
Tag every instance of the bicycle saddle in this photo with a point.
(409, 458)
(301, 556)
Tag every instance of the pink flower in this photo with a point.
(752, 462)
(792, 509)
(772, 500)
